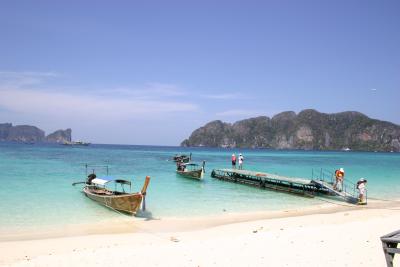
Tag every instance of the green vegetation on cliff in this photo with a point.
(309, 129)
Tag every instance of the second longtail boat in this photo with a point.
(191, 170)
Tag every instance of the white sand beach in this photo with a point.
(326, 235)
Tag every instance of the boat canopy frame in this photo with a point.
(105, 180)
(93, 168)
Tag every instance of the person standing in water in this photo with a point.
(233, 161)
(241, 159)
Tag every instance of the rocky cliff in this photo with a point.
(309, 129)
(4, 131)
(27, 133)
(60, 136)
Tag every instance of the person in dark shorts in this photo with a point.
(233, 161)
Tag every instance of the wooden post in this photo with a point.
(388, 256)
(389, 245)
(146, 183)
(143, 192)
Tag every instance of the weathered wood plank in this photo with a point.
(393, 250)
(389, 244)
(395, 234)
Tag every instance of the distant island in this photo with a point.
(307, 130)
(32, 134)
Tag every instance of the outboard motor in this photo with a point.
(90, 178)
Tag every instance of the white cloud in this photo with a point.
(11, 79)
(134, 115)
(26, 93)
(84, 105)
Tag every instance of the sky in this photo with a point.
(151, 72)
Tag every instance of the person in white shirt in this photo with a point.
(241, 159)
(361, 186)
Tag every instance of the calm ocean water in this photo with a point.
(36, 180)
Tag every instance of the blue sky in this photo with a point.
(150, 72)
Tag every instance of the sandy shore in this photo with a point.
(325, 235)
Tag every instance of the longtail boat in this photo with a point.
(182, 158)
(117, 200)
(111, 192)
(191, 170)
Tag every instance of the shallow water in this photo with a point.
(36, 181)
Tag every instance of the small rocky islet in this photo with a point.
(32, 134)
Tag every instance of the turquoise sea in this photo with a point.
(36, 181)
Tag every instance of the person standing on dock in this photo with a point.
(241, 158)
(361, 190)
(339, 176)
(233, 161)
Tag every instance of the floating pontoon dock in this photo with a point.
(293, 185)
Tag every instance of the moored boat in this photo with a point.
(191, 170)
(182, 158)
(99, 190)
(76, 143)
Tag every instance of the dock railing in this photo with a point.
(348, 187)
(323, 175)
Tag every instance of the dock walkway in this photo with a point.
(294, 185)
(329, 187)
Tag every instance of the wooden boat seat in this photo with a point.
(101, 192)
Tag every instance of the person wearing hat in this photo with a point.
(233, 161)
(361, 184)
(241, 158)
(339, 177)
